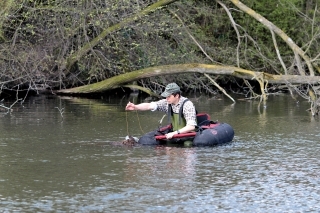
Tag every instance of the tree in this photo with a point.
(273, 29)
(74, 57)
(66, 44)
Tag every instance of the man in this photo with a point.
(183, 120)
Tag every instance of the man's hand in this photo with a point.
(170, 134)
(130, 106)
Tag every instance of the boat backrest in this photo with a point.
(203, 119)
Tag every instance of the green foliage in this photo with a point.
(281, 13)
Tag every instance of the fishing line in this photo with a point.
(138, 122)
(127, 123)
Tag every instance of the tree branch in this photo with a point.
(77, 55)
(235, 28)
(278, 31)
(220, 88)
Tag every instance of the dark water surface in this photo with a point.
(53, 162)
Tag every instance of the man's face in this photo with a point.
(173, 99)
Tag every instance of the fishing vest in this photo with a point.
(177, 119)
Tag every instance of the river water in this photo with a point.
(57, 154)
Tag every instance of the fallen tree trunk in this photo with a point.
(121, 80)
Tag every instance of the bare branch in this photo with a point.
(278, 52)
(235, 28)
(220, 88)
(195, 41)
(277, 30)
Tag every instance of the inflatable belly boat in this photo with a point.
(209, 133)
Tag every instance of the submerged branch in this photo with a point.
(9, 109)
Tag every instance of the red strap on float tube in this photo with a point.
(181, 135)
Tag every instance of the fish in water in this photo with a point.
(130, 140)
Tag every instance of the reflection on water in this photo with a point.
(53, 161)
